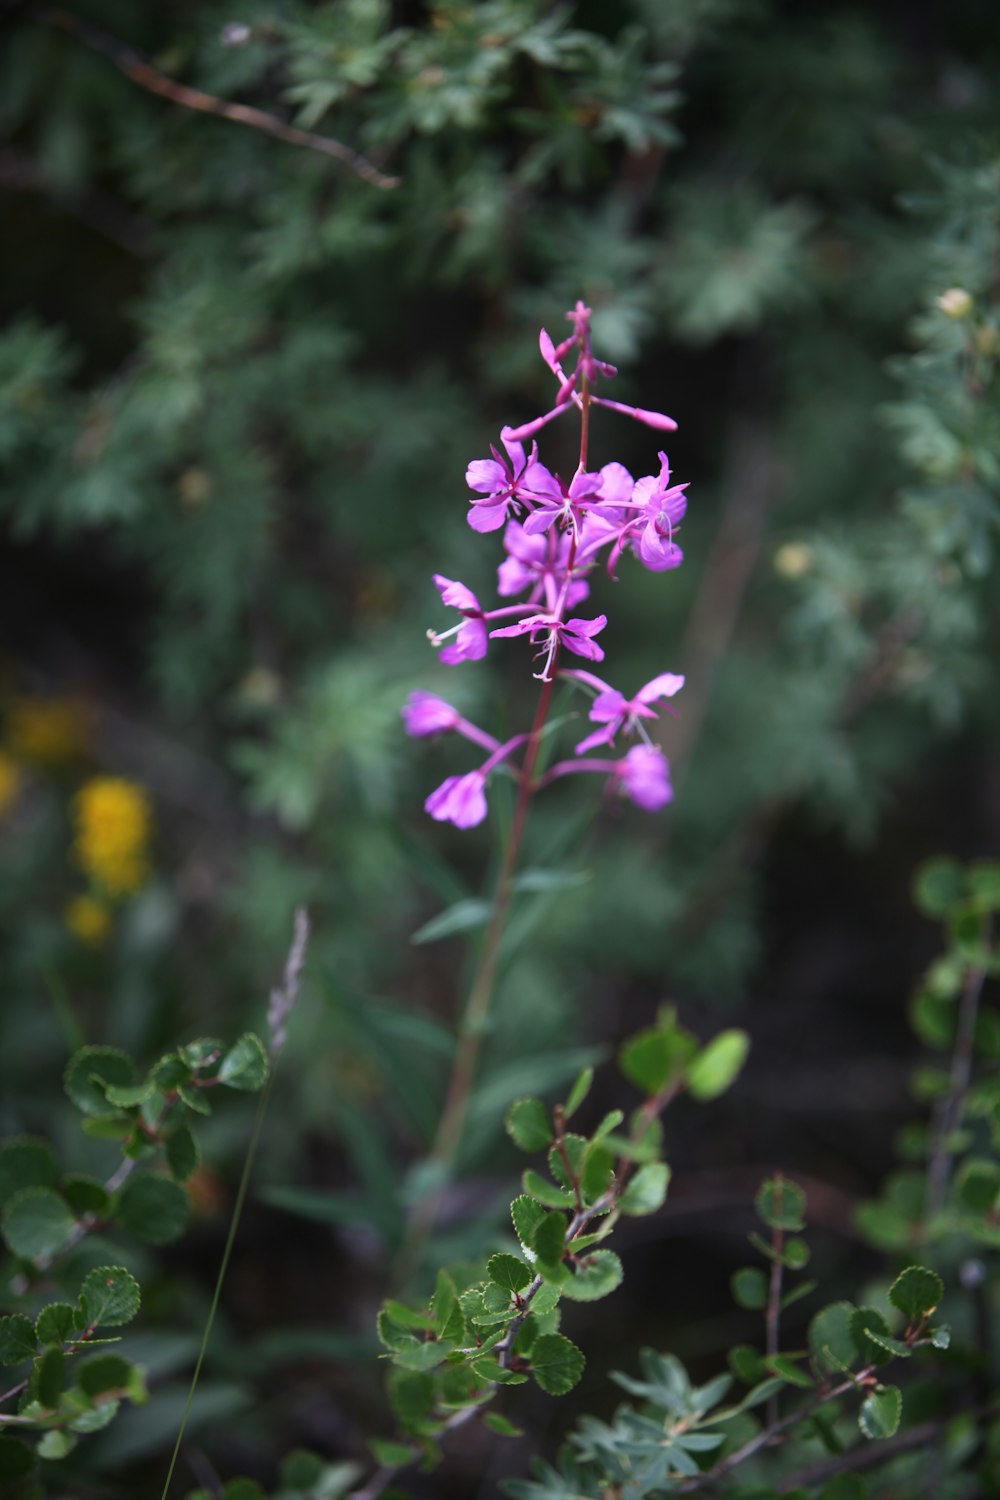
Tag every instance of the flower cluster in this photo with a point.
(554, 534)
(113, 824)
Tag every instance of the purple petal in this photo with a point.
(528, 429)
(587, 627)
(455, 594)
(599, 737)
(607, 706)
(664, 686)
(468, 645)
(460, 800)
(645, 778)
(424, 713)
(485, 475)
(483, 517)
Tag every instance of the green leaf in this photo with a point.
(845, 1487)
(36, 1222)
(392, 1455)
(646, 1191)
(749, 1288)
(781, 1204)
(526, 1214)
(528, 1125)
(245, 1064)
(578, 1092)
(499, 1424)
(566, 1164)
(717, 1065)
(747, 1364)
(597, 1275)
(654, 1058)
(880, 1412)
(545, 1192)
(556, 1363)
(202, 1052)
(977, 1185)
(56, 1444)
(85, 1195)
(128, 1096)
(57, 1323)
(183, 1155)
(597, 1171)
(109, 1297)
(795, 1254)
(916, 1292)
(865, 1320)
(940, 1337)
(48, 1378)
(449, 1322)
(830, 1340)
(25, 1162)
(550, 1238)
(17, 1339)
(16, 1458)
(939, 885)
(154, 1208)
(194, 1098)
(105, 1374)
(464, 916)
(785, 1366)
(242, 1489)
(508, 1272)
(984, 882)
(411, 1396)
(91, 1067)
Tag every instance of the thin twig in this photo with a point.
(139, 71)
(772, 1313)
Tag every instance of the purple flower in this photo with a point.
(504, 483)
(470, 637)
(460, 800)
(533, 562)
(661, 508)
(425, 714)
(644, 777)
(576, 635)
(614, 712)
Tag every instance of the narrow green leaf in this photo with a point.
(785, 1366)
(245, 1064)
(528, 1124)
(499, 1424)
(578, 1092)
(183, 1154)
(880, 1412)
(556, 1363)
(464, 916)
(36, 1222)
(717, 1065)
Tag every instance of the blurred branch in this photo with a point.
(140, 72)
(951, 1109)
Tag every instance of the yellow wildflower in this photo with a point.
(47, 732)
(88, 919)
(113, 821)
(10, 780)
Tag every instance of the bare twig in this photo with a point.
(951, 1109)
(140, 72)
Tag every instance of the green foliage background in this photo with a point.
(239, 385)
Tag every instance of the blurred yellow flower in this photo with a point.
(113, 823)
(89, 919)
(47, 731)
(10, 780)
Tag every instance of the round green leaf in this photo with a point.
(647, 1190)
(526, 1214)
(109, 1297)
(880, 1412)
(938, 886)
(916, 1291)
(653, 1058)
(978, 1185)
(717, 1065)
(781, 1203)
(556, 1364)
(107, 1374)
(25, 1162)
(749, 1287)
(830, 1341)
(795, 1254)
(16, 1458)
(85, 1195)
(57, 1323)
(528, 1124)
(508, 1272)
(597, 1275)
(550, 1238)
(88, 1069)
(872, 1350)
(245, 1064)
(154, 1208)
(17, 1339)
(56, 1444)
(36, 1222)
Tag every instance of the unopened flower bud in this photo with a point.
(955, 302)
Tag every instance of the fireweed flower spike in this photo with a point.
(615, 713)
(554, 535)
